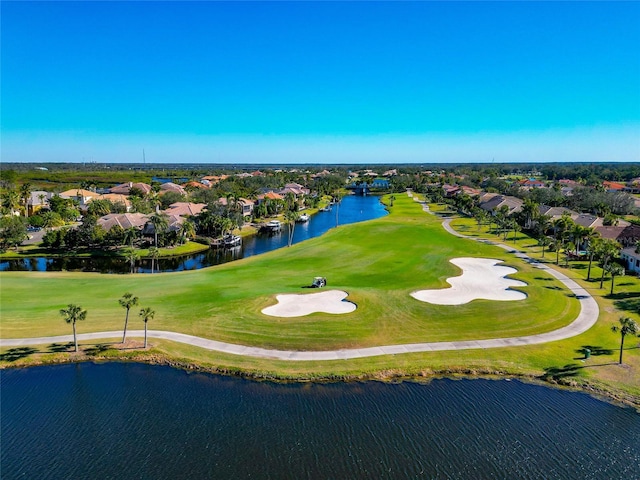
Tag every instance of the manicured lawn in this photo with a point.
(379, 263)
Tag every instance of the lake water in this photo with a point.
(122, 420)
(352, 209)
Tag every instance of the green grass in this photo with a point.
(379, 263)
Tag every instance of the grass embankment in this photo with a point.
(378, 262)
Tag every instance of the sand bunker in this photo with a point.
(330, 301)
(481, 278)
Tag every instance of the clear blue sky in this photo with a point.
(325, 82)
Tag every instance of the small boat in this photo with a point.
(326, 209)
(303, 218)
(231, 240)
(273, 226)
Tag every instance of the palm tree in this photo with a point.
(72, 314)
(187, 230)
(154, 253)
(480, 216)
(530, 211)
(515, 227)
(627, 327)
(560, 228)
(132, 257)
(290, 219)
(615, 270)
(146, 314)
(608, 251)
(160, 222)
(593, 241)
(25, 194)
(130, 235)
(12, 201)
(127, 301)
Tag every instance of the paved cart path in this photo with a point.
(584, 321)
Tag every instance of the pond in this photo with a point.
(126, 420)
(352, 209)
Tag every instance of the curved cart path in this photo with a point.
(585, 320)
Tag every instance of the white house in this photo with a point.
(631, 259)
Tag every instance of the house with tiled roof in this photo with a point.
(613, 186)
(586, 220)
(125, 188)
(472, 192)
(244, 203)
(38, 199)
(530, 183)
(270, 195)
(123, 220)
(116, 198)
(80, 195)
(625, 235)
(172, 187)
(197, 185)
(514, 204)
(555, 212)
(185, 209)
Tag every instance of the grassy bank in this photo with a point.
(379, 263)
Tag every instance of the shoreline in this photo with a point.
(599, 392)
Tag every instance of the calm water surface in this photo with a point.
(352, 209)
(139, 421)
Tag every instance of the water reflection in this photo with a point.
(352, 209)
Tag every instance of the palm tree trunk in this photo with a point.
(589, 269)
(126, 320)
(621, 348)
(604, 268)
(613, 277)
(75, 338)
(145, 335)
(293, 231)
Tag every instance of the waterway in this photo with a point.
(121, 420)
(352, 209)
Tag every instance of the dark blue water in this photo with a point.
(138, 421)
(352, 209)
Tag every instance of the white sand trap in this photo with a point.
(481, 278)
(330, 301)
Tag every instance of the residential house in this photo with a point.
(80, 195)
(495, 203)
(586, 220)
(531, 183)
(38, 199)
(625, 235)
(172, 187)
(270, 195)
(116, 198)
(124, 220)
(613, 186)
(185, 209)
(555, 213)
(125, 188)
(631, 259)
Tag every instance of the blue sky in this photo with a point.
(333, 82)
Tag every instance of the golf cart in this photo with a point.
(319, 282)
